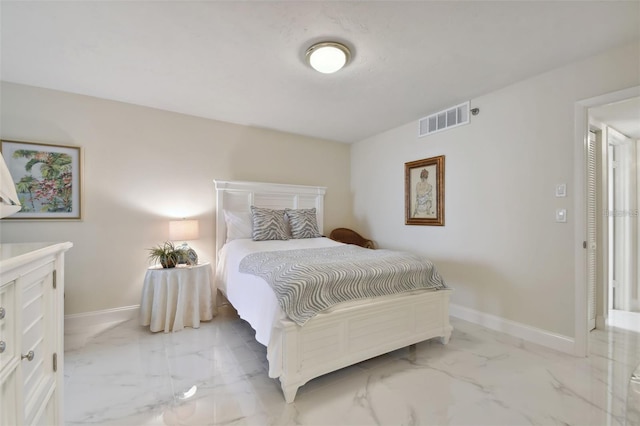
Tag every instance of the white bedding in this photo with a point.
(251, 296)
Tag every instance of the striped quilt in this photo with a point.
(308, 281)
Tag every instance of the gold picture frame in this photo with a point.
(48, 179)
(424, 191)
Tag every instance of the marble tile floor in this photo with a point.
(217, 375)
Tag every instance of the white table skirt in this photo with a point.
(174, 298)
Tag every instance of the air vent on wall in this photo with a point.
(446, 119)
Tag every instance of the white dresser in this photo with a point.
(31, 333)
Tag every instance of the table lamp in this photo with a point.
(185, 230)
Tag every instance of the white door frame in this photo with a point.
(581, 131)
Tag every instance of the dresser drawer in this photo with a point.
(8, 324)
(38, 333)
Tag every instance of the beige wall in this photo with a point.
(501, 249)
(143, 167)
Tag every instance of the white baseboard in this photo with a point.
(531, 334)
(90, 319)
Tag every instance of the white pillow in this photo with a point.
(238, 224)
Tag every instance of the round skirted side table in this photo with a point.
(174, 298)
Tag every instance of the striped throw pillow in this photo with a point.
(303, 223)
(268, 224)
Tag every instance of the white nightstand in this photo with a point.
(174, 298)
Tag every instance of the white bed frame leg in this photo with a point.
(445, 339)
(289, 392)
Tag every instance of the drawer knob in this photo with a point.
(3, 312)
(3, 346)
(29, 356)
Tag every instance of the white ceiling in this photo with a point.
(243, 61)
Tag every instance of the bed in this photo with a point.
(342, 335)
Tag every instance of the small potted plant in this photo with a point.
(166, 254)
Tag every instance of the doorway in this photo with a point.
(615, 128)
(581, 248)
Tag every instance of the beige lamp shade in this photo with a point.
(183, 230)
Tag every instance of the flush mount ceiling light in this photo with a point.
(328, 56)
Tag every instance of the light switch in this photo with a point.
(561, 215)
(561, 190)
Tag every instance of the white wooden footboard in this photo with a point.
(345, 337)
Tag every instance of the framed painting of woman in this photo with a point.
(424, 191)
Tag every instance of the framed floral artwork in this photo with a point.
(424, 191)
(47, 177)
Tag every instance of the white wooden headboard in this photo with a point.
(240, 196)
